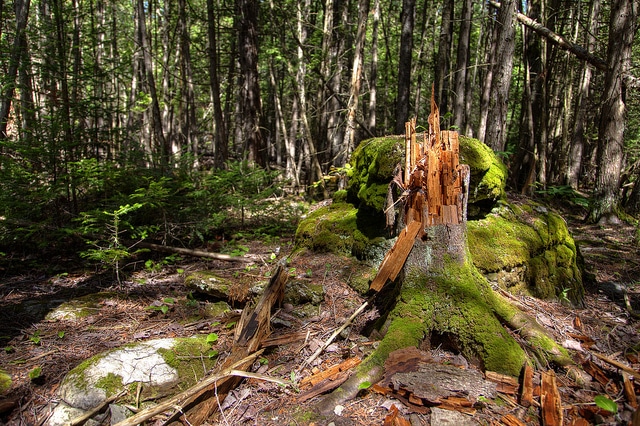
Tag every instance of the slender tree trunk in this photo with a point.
(189, 128)
(164, 149)
(221, 150)
(373, 73)
(404, 64)
(462, 59)
(22, 15)
(486, 77)
(578, 138)
(622, 28)
(496, 136)
(251, 109)
(443, 61)
(356, 80)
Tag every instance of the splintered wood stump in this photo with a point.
(436, 187)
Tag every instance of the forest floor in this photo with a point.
(56, 346)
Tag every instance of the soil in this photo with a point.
(57, 346)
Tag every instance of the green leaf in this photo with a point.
(364, 385)
(35, 373)
(164, 309)
(212, 353)
(60, 334)
(169, 300)
(606, 404)
(212, 338)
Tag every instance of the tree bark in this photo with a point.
(622, 28)
(462, 59)
(373, 73)
(443, 61)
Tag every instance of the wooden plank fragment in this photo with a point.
(511, 420)
(506, 384)
(550, 401)
(526, 395)
(395, 258)
(325, 385)
(331, 371)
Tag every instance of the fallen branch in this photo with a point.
(195, 253)
(335, 334)
(183, 398)
(86, 416)
(619, 365)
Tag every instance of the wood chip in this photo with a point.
(511, 420)
(526, 397)
(331, 371)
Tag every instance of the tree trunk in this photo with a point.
(496, 136)
(373, 73)
(22, 15)
(578, 138)
(441, 296)
(462, 59)
(356, 81)
(404, 64)
(251, 110)
(221, 150)
(622, 27)
(443, 61)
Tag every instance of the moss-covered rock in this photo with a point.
(159, 365)
(80, 307)
(210, 283)
(527, 249)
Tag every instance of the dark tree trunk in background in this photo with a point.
(404, 64)
(356, 81)
(22, 15)
(622, 28)
(251, 110)
(443, 61)
(496, 136)
(526, 158)
(220, 140)
(460, 86)
(164, 148)
(578, 138)
(373, 74)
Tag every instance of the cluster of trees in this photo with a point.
(294, 85)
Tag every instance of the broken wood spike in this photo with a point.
(550, 401)
(394, 418)
(526, 394)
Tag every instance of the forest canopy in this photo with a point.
(180, 117)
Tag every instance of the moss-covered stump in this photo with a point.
(527, 249)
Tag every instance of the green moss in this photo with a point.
(189, 356)
(111, 383)
(459, 304)
(339, 228)
(488, 174)
(530, 237)
(5, 381)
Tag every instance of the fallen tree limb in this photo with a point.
(579, 51)
(183, 397)
(196, 253)
(617, 364)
